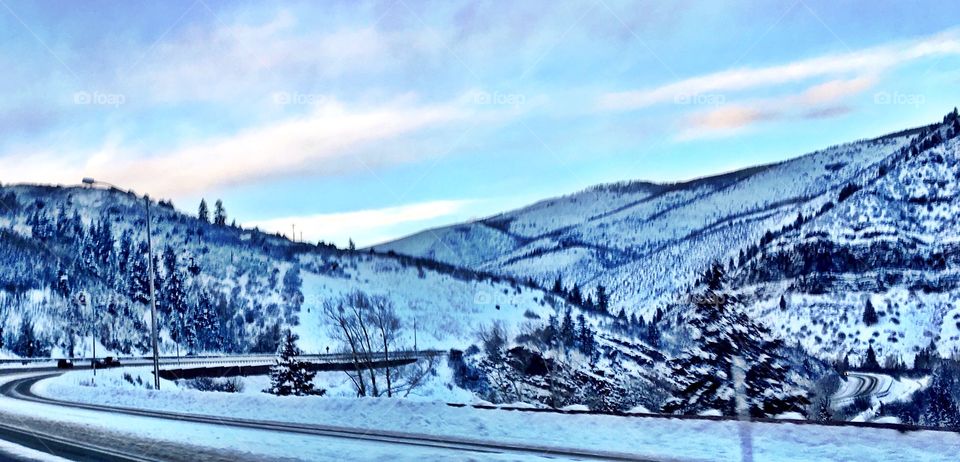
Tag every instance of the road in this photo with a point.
(862, 384)
(46, 430)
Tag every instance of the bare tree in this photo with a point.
(369, 328)
(387, 323)
(411, 377)
(343, 329)
(494, 339)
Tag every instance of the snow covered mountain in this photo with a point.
(72, 263)
(884, 217)
(74, 272)
(878, 265)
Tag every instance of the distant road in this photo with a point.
(862, 384)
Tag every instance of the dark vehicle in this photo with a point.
(104, 363)
(65, 364)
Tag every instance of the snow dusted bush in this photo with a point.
(223, 385)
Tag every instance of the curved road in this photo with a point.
(67, 446)
(860, 384)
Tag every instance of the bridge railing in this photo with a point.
(403, 354)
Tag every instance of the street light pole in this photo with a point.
(153, 297)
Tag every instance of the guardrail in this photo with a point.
(243, 358)
(264, 369)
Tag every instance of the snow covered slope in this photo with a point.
(72, 267)
(645, 241)
(869, 220)
(891, 241)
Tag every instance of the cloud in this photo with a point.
(867, 61)
(827, 112)
(821, 101)
(723, 121)
(365, 226)
(234, 61)
(330, 140)
(834, 90)
(730, 118)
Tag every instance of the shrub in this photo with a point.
(223, 385)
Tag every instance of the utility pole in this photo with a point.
(153, 300)
(293, 233)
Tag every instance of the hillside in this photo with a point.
(73, 258)
(647, 243)
(890, 242)
(74, 271)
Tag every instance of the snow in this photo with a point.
(20, 453)
(647, 240)
(675, 439)
(448, 311)
(253, 444)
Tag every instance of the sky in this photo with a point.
(374, 120)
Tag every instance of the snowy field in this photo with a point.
(671, 439)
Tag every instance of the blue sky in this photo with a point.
(373, 120)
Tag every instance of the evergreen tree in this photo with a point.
(176, 305)
(575, 297)
(206, 325)
(41, 226)
(268, 340)
(351, 245)
(203, 213)
(940, 401)
(585, 340)
(870, 314)
(870, 363)
(567, 336)
(558, 285)
(290, 375)
(139, 284)
(725, 338)
(63, 283)
(783, 303)
(219, 214)
(103, 245)
(927, 358)
(603, 301)
(823, 412)
(653, 335)
(27, 344)
(125, 253)
(551, 332)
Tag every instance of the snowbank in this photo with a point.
(643, 436)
